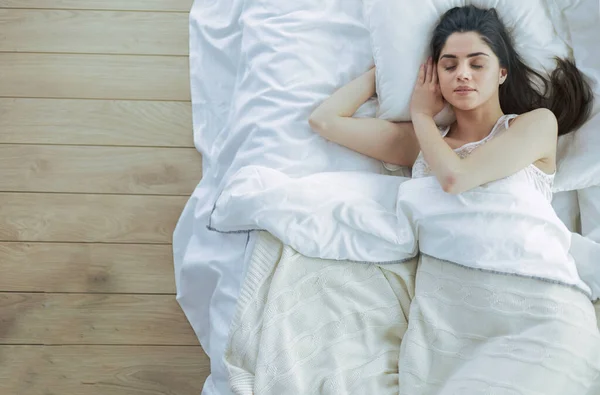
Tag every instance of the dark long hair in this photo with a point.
(565, 92)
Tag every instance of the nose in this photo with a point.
(463, 73)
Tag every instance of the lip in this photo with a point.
(464, 89)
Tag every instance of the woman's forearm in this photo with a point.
(346, 100)
(531, 137)
(443, 161)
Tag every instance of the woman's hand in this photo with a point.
(427, 97)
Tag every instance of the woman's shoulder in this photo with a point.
(541, 122)
(537, 114)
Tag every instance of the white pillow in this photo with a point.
(578, 156)
(578, 23)
(401, 31)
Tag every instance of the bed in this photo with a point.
(253, 86)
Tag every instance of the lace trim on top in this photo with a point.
(543, 181)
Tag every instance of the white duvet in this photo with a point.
(506, 226)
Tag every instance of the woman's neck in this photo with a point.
(475, 125)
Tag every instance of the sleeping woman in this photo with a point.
(471, 332)
(503, 123)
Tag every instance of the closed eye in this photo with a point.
(475, 66)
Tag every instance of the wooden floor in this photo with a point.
(96, 164)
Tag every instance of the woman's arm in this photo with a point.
(531, 137)
(390, 142)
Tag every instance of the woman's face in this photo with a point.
(469, 72)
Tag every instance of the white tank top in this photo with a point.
(542, 181)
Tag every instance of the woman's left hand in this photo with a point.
(427, 96)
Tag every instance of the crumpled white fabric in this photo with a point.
(338, 215)
(505, 226)
(586, 253)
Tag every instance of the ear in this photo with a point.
(503, 75)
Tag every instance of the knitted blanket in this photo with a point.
(314, 326)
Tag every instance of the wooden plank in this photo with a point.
(96, 122)
(102, 370)
(87, 169)
(88, 218)
(101, 32)
(44, 318)
(72, 267)
(133, 5)
(94, 76)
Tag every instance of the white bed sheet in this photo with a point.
(589, 201)
(241, 108)
(566, 205)
(209, 266)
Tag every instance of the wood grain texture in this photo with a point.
(102, 370)
(87, 169)
(96, 122)
(88, 218)
(44, 318)
(135, 5)
(101, 32)
(73, 267)
(94, 271)
(94, 76)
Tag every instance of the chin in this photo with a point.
(464, 105)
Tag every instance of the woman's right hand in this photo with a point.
(427, 96)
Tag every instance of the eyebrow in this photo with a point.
(468, 56)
